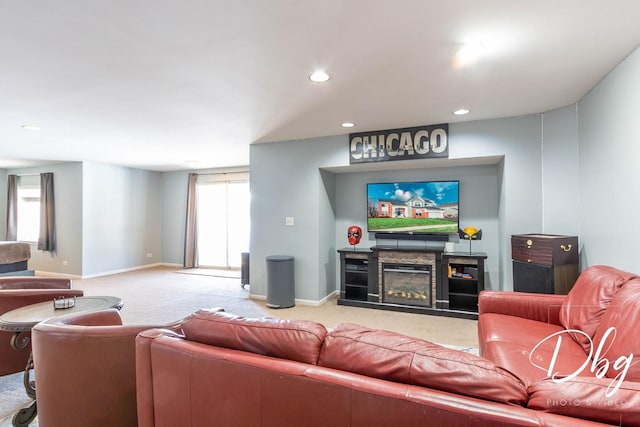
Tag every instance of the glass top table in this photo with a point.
(23, 319)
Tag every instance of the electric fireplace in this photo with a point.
(408, 284)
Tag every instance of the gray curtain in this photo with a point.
(47, 238)
(191, 234)
(12, 208)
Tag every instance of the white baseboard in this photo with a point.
(314, 303)
(168, 264)
(61, 275)
(103, 273)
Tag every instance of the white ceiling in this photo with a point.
(171, 85)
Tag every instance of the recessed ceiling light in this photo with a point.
(30, 127)
(348, 125)
(319, 77)
(461, 112)
(469, 54)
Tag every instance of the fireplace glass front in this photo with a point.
(408, 284)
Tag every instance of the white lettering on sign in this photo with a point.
(392, 149)
(421, 142)
(399, 144)
(599, 364)
(438, 140)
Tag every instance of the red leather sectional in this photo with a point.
(229, 370)
(593, 371)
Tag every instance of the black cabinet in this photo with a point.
(355, 274)
(544, 263)
(462, 281)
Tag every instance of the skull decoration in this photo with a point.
(354, 233)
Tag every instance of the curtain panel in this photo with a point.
(12, 208)
(47, 238)
(191, 232)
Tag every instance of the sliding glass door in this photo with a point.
(223, 220)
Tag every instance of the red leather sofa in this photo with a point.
(223, 369)
(577, 354)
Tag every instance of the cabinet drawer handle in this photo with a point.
(566, 248)
(529, 244)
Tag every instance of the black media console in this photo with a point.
(411, 279)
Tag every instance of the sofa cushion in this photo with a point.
(619, 328)
(528, 355)
(531, 365)
(503, 327)
(298, 340)
(586, 398)
(588, 300)
(395, 357)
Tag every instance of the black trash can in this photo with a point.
(280, 281)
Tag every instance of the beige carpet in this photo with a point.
(157, 296)
(215, 272)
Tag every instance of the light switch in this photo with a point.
(288, 221)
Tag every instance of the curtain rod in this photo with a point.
(220, 173)
(26, 174)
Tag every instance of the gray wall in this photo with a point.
(67, 178)
(121, 218)
(174, 212)
(108, 218)
(478, 207)
(311, 181)
(609, 173)
(518, 140)
(561, 172)
(286, 181)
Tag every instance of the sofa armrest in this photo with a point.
(144, 377)
(34, 282)
(85, 370)
(540, 307)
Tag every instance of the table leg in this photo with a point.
(20, 340)
(29, 386)
(24, 416)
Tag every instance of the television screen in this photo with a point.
(429, 207)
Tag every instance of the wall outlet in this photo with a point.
(288, 221)
(65, 262)
(149, 255)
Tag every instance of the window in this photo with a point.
(28, 213)
(223, 219)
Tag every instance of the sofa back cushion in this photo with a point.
(618, 328)
(395, 357)
(589, 299)
(298, 340)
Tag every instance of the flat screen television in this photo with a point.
(426, 207)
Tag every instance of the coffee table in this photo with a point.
(21, 320)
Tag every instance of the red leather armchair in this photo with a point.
(85, 370)
(17, 292)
